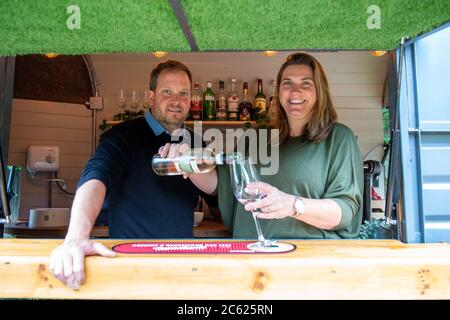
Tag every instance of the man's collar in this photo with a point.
(155, 125)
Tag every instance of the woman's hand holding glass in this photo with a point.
(275, 204)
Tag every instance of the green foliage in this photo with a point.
(257, 115)
(121, 116)
(386, 126)
(17, 168)
(370, 228)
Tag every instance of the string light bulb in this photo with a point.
(269, 53)
(378, 53)
(160, 54)
(51, 55)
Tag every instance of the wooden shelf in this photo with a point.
(113, 122)
(220, 123)
(204, 123)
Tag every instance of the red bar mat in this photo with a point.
(186, 247)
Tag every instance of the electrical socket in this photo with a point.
(96, 103)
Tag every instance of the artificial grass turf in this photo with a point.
(39, 26)
(308, 24)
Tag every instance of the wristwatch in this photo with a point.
(299, 206)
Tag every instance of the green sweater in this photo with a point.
(331, 169)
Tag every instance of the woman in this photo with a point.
(317, 192)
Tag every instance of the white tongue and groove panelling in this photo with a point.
(66, 125)
(356, 80)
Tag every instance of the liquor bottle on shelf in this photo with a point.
(196, 111)
(271, 108)
(245, 107)
(209, 103)
(197, 160)
(221, 106)
(260, 102)
(233, 102)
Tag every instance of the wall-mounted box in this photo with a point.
(43, 158)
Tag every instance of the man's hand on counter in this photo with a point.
(67, 260)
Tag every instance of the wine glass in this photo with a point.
(243, 172)
(123, 97)
(134, 100)
(145, 102)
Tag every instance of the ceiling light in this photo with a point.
(269, 53)
(51, 55)
(160, 54)
(378, 53)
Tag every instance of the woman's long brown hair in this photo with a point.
(323, 116)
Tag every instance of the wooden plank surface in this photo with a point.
(317, 269)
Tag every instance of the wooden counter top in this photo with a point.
(317, 269)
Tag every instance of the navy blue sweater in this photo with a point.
(141, 203)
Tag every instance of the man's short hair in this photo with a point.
(168, 65)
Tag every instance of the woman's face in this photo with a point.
(297, 93)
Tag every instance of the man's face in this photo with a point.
(171, 99)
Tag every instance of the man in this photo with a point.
(141, 204)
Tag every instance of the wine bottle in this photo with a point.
(260, 102)
(271, 110)
(233, 102)
(209, 103)
(221, 105)
(197, 160)
(196, 110)
(245, 107)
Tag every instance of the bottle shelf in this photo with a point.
(204, 123)
(220, 123)
(113, 122)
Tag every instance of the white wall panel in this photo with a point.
(68, 126)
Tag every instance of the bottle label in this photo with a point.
(196, 105)
(209, 108)
(261, 104)
(221, 115)
(177, 166)
(232, 115)
(244, 114)
(222, 104)
(184, 167)
(184, 164)
(233, 105)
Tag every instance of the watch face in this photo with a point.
(299, 206)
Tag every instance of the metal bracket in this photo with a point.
(414, 130)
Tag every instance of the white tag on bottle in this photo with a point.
(194, 166)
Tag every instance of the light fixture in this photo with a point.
(51, 55)
(378, 53)
(269, 53)
(160, 54)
